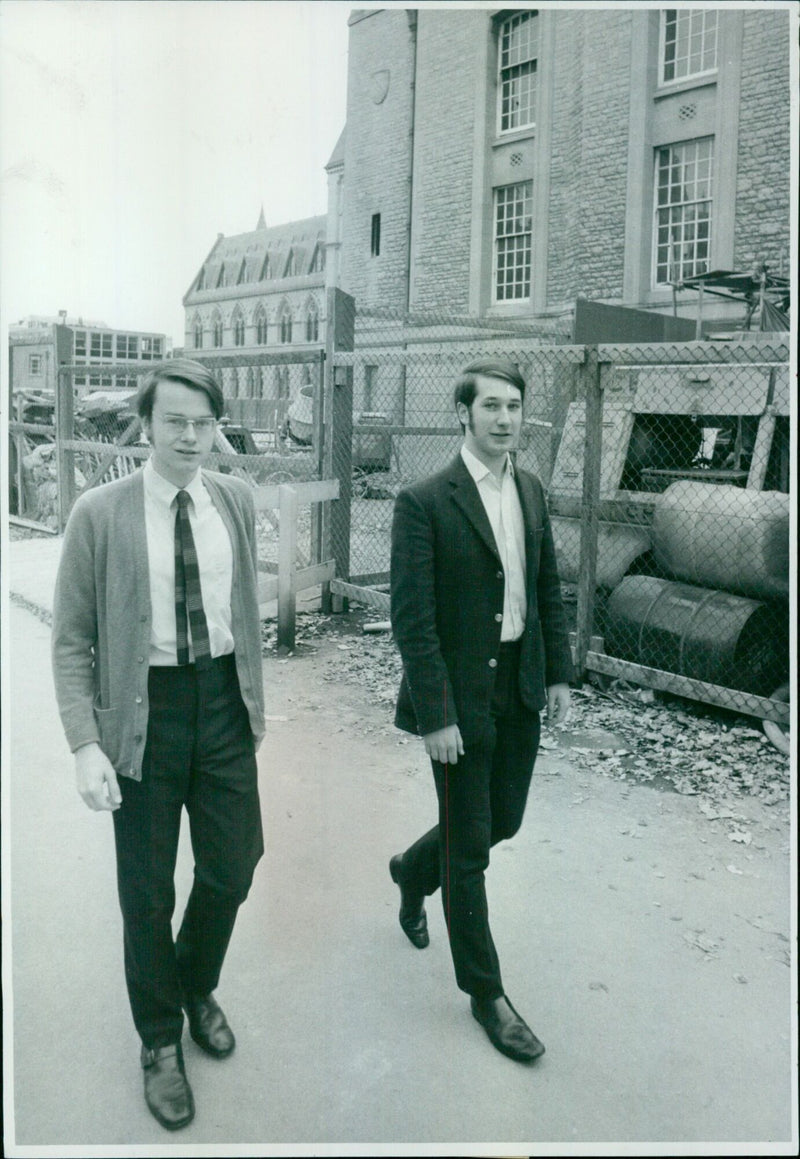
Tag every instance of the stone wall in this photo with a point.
(762, 179)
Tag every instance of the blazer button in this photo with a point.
(499, 575)
(498, 616)
(492, 663)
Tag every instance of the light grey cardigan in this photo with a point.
(101, 616)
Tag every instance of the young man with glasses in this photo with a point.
(157, 665)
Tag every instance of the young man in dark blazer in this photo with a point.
(478, 618)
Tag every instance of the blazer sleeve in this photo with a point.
(559, 668)
(74, 634)
(413, 615)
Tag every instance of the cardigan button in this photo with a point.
(498, 616)
(492, 663)
(138, 700)
(499, 575)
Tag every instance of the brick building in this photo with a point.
(260, 292)
(39, 344)
(503, 163)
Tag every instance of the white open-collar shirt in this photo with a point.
(500, 500)
(214, 556)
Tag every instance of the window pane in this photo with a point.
(517, 71)
(689, 43)
(683, 220)
(513, 241)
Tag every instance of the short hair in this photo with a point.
(186, 371)
(466, 387)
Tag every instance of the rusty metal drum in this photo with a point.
(724, 537)
(698, 632)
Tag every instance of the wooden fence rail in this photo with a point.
(288, 498)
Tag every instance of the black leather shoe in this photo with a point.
(510, 1034)
(166, 1089)
(208, 1026)
(413, 920)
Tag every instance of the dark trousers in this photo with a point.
(481, 801)
(199, 754)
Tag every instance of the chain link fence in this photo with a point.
(668, 473)
(88, 438)
(690, 513)
(667, 468)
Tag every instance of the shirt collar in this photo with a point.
(160, 489)
(479, 470)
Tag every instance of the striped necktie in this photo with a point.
(188, 595)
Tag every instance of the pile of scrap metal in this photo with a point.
(692, 563)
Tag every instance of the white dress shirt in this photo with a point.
(215, 561)
(501, 503)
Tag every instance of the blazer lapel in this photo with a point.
(466, 496)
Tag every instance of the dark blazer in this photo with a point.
(447, 586)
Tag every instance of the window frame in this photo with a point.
(685, 269)
(518, 16)
(688, 76)
(497, 299)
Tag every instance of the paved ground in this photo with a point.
(649, 953)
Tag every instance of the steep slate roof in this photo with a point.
(301, 237)
(337, 156)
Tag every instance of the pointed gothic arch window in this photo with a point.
(317, 260)
(312, 322)
(261, 326)
(238, 329)
(266, 269)
(217, 330)
(201, 279)
(285, 322)
(198, 333)
(290, 269)
(242, 272)
(221, 276)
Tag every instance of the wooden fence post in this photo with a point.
(593, 446)
(338, 433)
(287, 564)
(65, 431)
(317, 544)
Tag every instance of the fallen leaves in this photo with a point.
(623, 733)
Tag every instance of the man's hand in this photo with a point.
(445, 745)
(95, 778)
(558, 701)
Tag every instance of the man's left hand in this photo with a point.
(558, 702)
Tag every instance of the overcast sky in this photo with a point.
(132, 132)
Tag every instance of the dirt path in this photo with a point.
(648, 949)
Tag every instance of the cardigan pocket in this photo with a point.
(108, 725)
